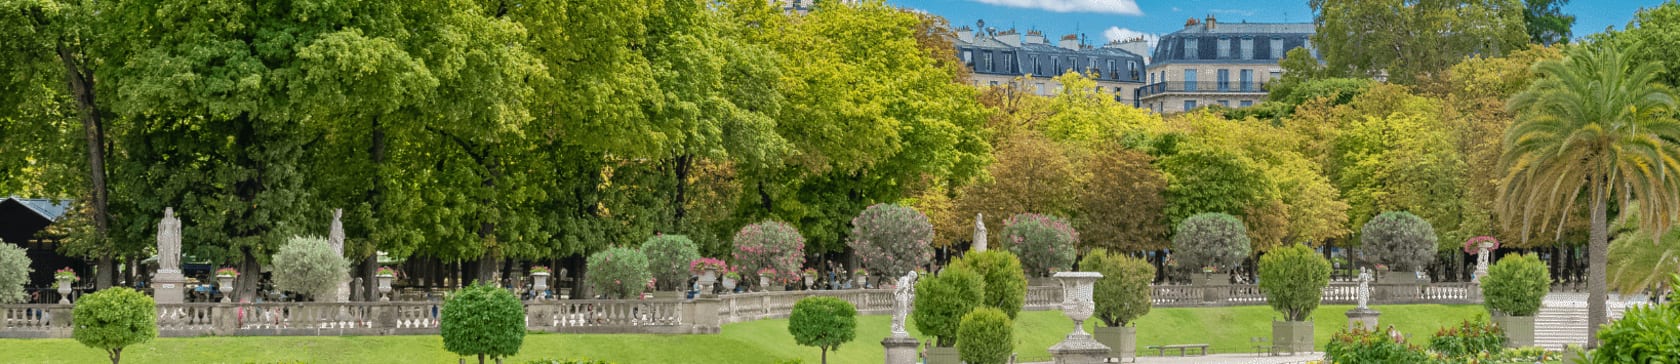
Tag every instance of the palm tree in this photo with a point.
(1592, 124)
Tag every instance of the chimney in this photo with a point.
(965, 34)
(1009, 37)
(1035, 37)
(1192, 22)
(1211, 22)
(1070, 41)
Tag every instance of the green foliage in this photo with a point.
(1293, 279)
(1043, 242)
(1202, 179)
(892, 239)
(1409, 41)
(1121, 206)
(942, 300)
(113, 319)
(1362, 345)
(1644, 334)
(1403, 241)
(1546, 22)
(1636, 262)
(483, 320)
(568, 361)
(307, 265)
(1005, 283)
(770, 244)
(1336, 90)
(1516, 285)
(1646, 39)
(1210, 239)
(668, 257)
(1468, 339)
(985, 336)
(1122, 294)
(14, 273)
(619, 273)
(823, 322)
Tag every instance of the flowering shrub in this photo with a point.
(892, 239)
(1043, 242)
(1469, 338)
(618, 272)
(14, 273)
(1363, 345)
(770, 245)
(385, 271)
(66, 273)
(1473, 245)
(809, 272)
(700, 266)
(861, 272)
(227, 272)
(732, 274)
(670, 257)
(539, 269)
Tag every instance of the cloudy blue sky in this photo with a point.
(1102, 20)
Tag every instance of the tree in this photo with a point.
(1403, 241)
(1120, 206)
(1293, 279)
(1593, 127)
(942, 300)
(1410, 41)
(1647, 39)
(1122, 294)
(1032, 174)
(823, 322)
(1546, 22)
(114, 319)
(482, 320)
(668, 257)
(892, 239)
(985, 336)
(307, 265)
(1044, 243)
(1210, 240)
(619, 273)
(1516, 285)
(1638, 263)
(770, 244)
(1006, 282)
(1203, 180)
(14, 273)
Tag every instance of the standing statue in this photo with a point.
(979, 233)
(169, 242)
(905, 292)
(1364, 291)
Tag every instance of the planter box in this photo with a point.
(1519, 330)
(1121, 341)
(941, 355)
(1292, 336)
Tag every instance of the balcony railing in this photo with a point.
(1204, 87)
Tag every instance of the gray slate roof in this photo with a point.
(47, 208)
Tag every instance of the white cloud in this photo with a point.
(1122, 7)
(1118, 33)
(1176, 9)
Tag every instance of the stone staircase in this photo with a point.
(1563, 318)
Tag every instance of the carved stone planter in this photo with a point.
(539, 284)
(810, 281)
(64, 290)
(1078, 305)
(943, 355)
(1519, 330)
(1121, 341)
(860, 281)
(707, 278)
(384, 287)
(729, 284)
(763, 283)
(1292, 336)
(224, 284)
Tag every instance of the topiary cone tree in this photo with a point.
(942, 300)
(824, 322)
(1399, 239)
(1293, 279)
(1512, 291)
(1212, 240)
(114, 319)
(892, 239)
(1122, 295)
(483, 320)
(1006, 284)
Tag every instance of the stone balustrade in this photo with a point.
(656, 316)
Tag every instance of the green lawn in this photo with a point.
(1228, 329)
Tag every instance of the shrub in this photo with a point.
(113, 319)
(307, 265)
(1399, 239)
(1042, 242)
(985, 336)
(1516, 284)
(770, 244)
(1644, 334)
(1005, 285)
(668, 257)
(892, 239)
(942, 300)
(1366, 346)
(1293, 279)
(1210, 240)
(618, 272)
(1469, 338)
(823, 322)
(1122, 294)
(14, 273)
(483, 320)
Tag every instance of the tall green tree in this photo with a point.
(1595, 126)
(1413, 40)
(1546, 22)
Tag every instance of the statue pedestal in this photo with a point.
(169, 287)
(900, 350)
(1079, 349)
(1363, 317)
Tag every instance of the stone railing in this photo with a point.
(657, 316)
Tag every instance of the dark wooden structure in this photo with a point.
(22, 222)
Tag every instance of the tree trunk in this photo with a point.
(116, 355)
(825, 355)
(376, 154)
(1597, 259)
(370, 284)
(250, 274)
(93, 127)
(682, 166)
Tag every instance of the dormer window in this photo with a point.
(1191, 47)
(1277, 47)
(1247, 47)
(1224, 47)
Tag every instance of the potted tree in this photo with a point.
(770, 245)
(114, 319)
(1400, 241)
(1512, 291)
(1293, 279)
(618, 273)
(941, 302)
(1006, 284)
(1121, 295)
(224, 282)
(668, 258)
(386, 274)
(65, 277)
(891, 239)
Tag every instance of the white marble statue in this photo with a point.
(979, 233)
(905, 292)
(1364, 291)
(169, 242)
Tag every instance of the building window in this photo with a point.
(1040, 87)
(1277, 48)
(968, 58)
(1274, 75)
(1224, 47)
(1245, 103)
(1189, 105)
(1112, 72)
(1224, 80)
(1225, 103)
(1190, 80)
(1008, 63)
(1248, 48)
(1191, 49)
(1246, 79)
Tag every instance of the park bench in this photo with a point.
(1161, 350)
(1261, 347)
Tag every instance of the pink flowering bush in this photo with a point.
(1474, 245)
(618, 272)
(770, 244)
(699, 266)
(1043, 242)
(892, 239)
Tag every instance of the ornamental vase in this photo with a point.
(224, 284)
(729, 284)
(809, 279)
(539, 283)
(384, 287)
(64, 290)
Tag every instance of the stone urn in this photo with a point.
(1120, 340)
(539, 284)
(729, 284)
(64, 289)
(224, 284)
(384, 287)
(810, 280)
(763, 283)
(707, 278)
(1078, 304)
(860, 281)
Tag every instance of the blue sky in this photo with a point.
(1101, 20)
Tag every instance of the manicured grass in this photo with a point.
(1227, 329)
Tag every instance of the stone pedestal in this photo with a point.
(1292, 337)
(169, 287)
(705, 314)
(900, 350)
(1079, 349)
(1363, 317)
